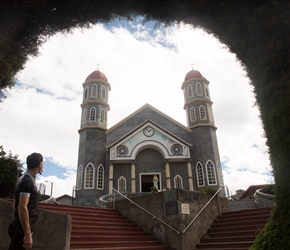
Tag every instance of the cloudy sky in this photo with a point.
(143, 64)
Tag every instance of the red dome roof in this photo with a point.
(193, 74)
(97, 75)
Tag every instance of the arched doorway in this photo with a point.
(149, 162)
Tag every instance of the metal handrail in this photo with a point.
(154, 216)
(110, 197)
(263, 199)
(203, 209)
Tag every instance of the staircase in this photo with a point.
(235, 230)
(96, 228)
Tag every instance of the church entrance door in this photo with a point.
(146, 181)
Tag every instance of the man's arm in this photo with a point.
(24, 220)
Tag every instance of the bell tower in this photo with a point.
(92, 143)
(198, 105)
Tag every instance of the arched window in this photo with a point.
(198, 89)
(189, 91)
(92, 114)
(100, 177)
(104, 93)
(211, 174)
(206, 91)
(192, 114)
(84, 116)
(102, 115)
(95, 90)
(178, 182)
(219, 173)
(122, 184)
(89, 176)
(86, 92)
(200, 175)
(80, 177)
(210, 115)
(202, 113)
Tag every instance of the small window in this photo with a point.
(103, 93)
(80, 177)
(192, 114)
(86, 92)
(202, 113)
(200, 175)
(92, 114)
(189, 91)
(219, 173)
(94, 90)
(176, 149)
(84, 116)
(206, 91)
(122, 184)
(89, 176)
(122, 150)
(198, 89)
(100, 177)
(211, 174)
(178, 182)
(102, 115)
(210, 115)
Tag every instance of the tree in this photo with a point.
(9, 171)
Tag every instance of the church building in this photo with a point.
(146, 145)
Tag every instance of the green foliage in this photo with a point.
(8, 173)
(154, 189)
(268, 189)
(275, 235)
(208, 190)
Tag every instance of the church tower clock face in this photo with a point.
(148, 131)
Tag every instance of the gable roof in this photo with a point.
(140, 110)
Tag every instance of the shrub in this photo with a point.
(208, 190)
(268, 189)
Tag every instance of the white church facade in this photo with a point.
(146, 144)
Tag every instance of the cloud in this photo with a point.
(42, 113)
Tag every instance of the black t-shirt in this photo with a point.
(26, 187)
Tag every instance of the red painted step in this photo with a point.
(96, 229)
(235, 230)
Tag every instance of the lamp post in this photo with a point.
(51, 187)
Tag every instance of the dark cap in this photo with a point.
(34, 160)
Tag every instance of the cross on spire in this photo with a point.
(192, 66)
(98, 66)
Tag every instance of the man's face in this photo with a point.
(40, 168)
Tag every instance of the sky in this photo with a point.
(143, 64)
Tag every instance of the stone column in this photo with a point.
(189, 172)
(111, 173)
(133, 177)
(167, 171)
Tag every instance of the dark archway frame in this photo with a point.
(256, 31)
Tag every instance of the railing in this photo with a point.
(204, 208)
(115, 197)
(50, 200)
(146, 211)
(119, 196)
(264, 200)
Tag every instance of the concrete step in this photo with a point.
(235, 230)
(120, 243)
(97, 228)
(226, 245)
(128, 248)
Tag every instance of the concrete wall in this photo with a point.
(51, 231)
(177, 208)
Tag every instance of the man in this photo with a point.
(25, 205)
